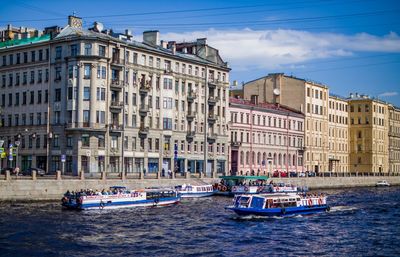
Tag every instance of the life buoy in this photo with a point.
(310, 202)
(224, 188)
(320, 201)
(246, 188)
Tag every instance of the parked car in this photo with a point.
(28, 172)
(4, 170)
(281, 173)
(293, 174)
(302, 174)
(311, 173)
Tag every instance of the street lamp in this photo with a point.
(17, 143)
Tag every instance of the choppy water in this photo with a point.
(362, 222)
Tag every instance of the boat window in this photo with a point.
(257, 202)
(244, 201)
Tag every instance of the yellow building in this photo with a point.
(338, 134)
(305, 96)
(394, 139)
(369, 139)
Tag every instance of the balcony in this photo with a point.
(191, 96)
(144, 88)
(116, 106)
(211, 138)
(190, 136)
(117, 62)
(117, 84)
(236, 144)
(190, 116)
(212, 84)
(85, 126)
(211, 119)
(212, 100)
(115, 128)
(143, 131)
(143, 110)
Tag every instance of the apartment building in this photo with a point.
(369, 134)
(305, 96)
(338, 134)
(394, 139)
(95, 100)
(265, 138)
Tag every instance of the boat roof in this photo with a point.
(117, 187)
(244, 177)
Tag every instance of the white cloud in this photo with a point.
(247, 49)
(388, 94)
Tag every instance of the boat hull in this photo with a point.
(118, 204)
(195, 194)
(289, 211)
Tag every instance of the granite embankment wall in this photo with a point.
(53, 189)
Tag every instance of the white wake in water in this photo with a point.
(343, 208)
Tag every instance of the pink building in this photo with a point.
(265, 138)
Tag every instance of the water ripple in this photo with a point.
(362, 222)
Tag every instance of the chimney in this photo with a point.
(151, 37)
(201, 41)
(164, 44)
(172, 46)
(128, 32)
(351, 95)
(357, 95)
(75, 22)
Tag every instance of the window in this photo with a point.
(101, 141)
(86, 93)
(17, 79)
(32, 99)
(87, 71)
(74, 50)
(167, 83)
(57, 95)
(56, 142)
(58, 52)
(39, 76)
(24, 78)
(100, 117)
(58, 73)
(38, 118)
(167, 123)
(102, 51)
(88, 49)
(167, 103)
(86, 116)
(85, 140)
(32, 77)
(101, 94)
(16, 99)
(40, 55)
(134, 99)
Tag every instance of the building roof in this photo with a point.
(24, 41)
(269, 107)
(69, 31)
(287, 76)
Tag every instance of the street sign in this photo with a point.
(17, 143)
(63, 158)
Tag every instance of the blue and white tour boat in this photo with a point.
(192, 191)
(119, 197)
(278, 204)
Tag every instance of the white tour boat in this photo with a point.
(192, 191)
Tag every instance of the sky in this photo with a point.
(348, 45)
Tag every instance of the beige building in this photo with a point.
(394, 139)
(305, 96)
(95, 100)
(338, 134)
(369, 130)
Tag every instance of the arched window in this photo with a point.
(259, 158)
(241, 158)
(280, 159)
(247, 158)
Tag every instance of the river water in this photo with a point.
(362, 222)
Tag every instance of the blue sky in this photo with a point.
(349, 45)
